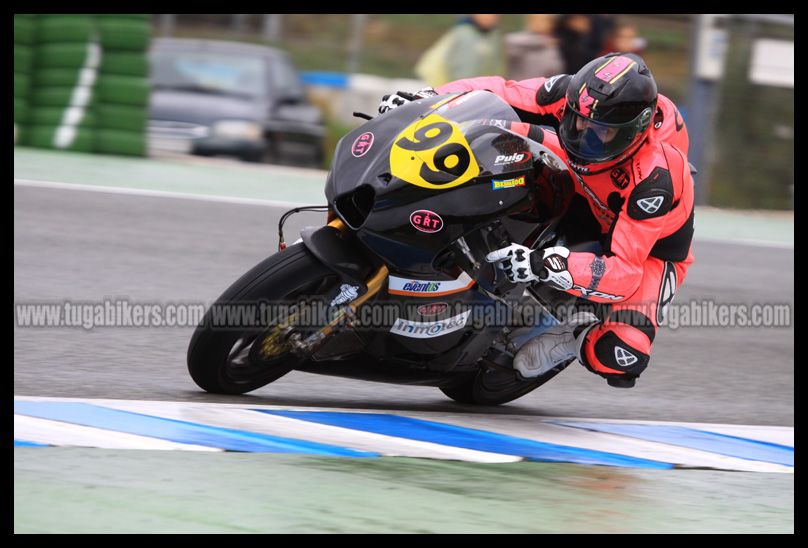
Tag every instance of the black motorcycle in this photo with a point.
(395, 288)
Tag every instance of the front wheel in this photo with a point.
(223, 356)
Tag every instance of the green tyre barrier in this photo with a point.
(23, 58)
(63, 97)
(58, 77)
(20, 111)
(128, 143)
(24, 31)
(125, 35)
(125, 64)
(64, 28)
(22, 85)
(123, 90)
(56, 116)
(70, 55)
(121, 117)
(43, 137)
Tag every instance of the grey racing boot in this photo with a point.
(553, 347)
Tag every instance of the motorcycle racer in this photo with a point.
(626, 145)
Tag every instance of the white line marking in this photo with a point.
(80, 98)
(157, 193)
(280, 203)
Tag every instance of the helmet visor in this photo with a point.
(591, 141)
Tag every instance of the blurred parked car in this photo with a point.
(231, 98)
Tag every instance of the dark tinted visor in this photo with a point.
(591, 141)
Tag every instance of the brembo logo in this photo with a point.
(426, 221)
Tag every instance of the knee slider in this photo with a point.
(616, 359)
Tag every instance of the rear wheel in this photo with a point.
(242, 357)
(495, 386)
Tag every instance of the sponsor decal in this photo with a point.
(620, 177)
(433, 153)
(428, 288)
(432, 309)
(428, 330)
(592, 293)
(426, 221)
(624, 357)
(650, 205)
(508, 183)
(362, 144)
(347, 293)
(505, 159)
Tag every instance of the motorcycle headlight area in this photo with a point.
(238, 129)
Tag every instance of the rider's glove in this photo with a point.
(522, 264)
(389, 102)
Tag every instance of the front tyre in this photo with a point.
(221, 358)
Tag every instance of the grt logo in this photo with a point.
(426, 221)
(362, 144)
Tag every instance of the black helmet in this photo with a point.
(610, 104)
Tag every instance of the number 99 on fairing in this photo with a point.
(433, 153)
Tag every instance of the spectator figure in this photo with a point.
(472, 47)
(533, 51)
(582, 38)
(626, 40)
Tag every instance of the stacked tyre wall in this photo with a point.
(88, 86)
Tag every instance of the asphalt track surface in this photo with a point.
(86, 246)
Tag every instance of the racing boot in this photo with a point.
(555, 346)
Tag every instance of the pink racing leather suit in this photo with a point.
(644, 205)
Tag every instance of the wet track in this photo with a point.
(86, 246)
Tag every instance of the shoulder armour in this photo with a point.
(553, 89)
(653, 196)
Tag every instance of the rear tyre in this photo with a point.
(490, 386)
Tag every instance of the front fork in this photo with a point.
(284, 336)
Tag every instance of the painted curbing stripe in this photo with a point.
(176, 431)
(253, 421)
(697, 439)
(24, 443)
(62, 434)
(456, 436)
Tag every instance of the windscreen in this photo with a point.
(212, 73)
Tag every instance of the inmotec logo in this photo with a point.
(428, 330)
